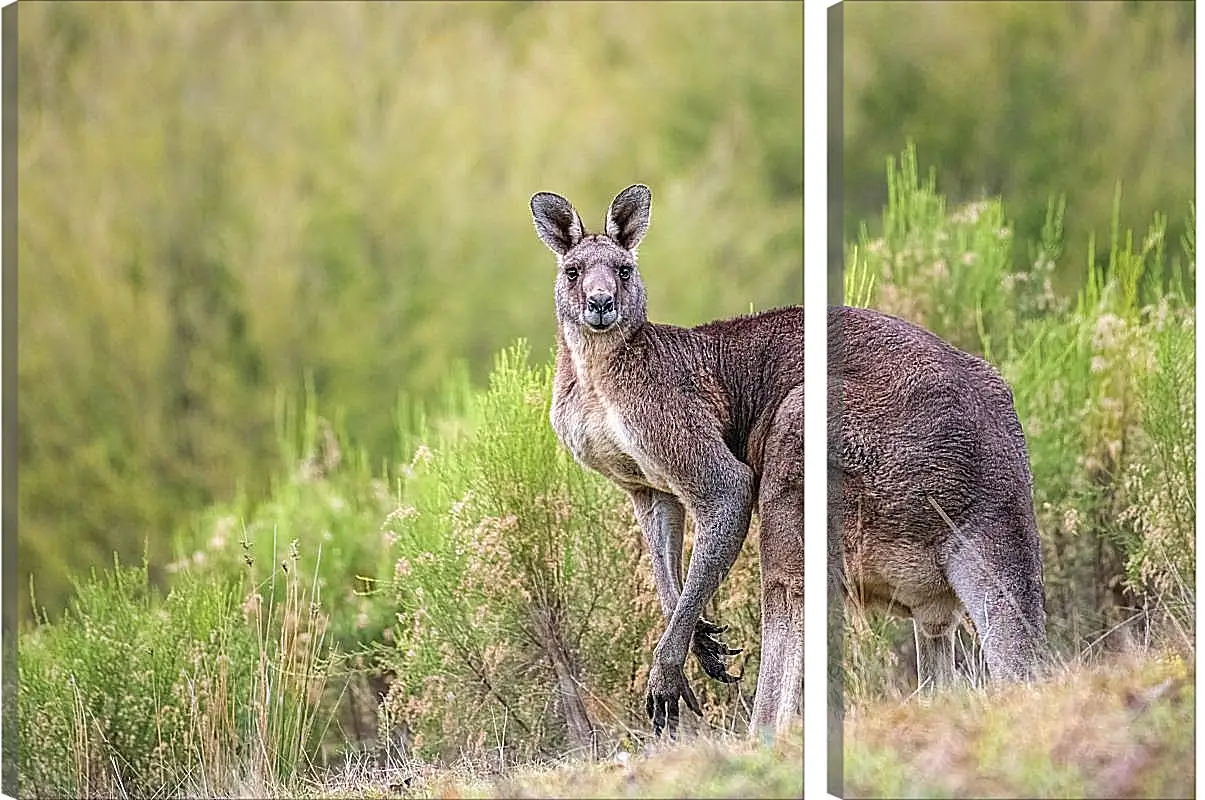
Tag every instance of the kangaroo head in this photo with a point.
(598, 289)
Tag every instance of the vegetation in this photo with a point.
(219, 200)
(1021, 101)
(488, 590)
(212, 687)
(400, 584)
(475, 620)
(724, 767)
(1103, 382)
(1119, 730)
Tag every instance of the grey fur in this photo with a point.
(930, 481)
(705, 420)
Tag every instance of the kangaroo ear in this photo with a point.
(628, 216)
(557, 223)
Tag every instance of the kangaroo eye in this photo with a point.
(625, 272)
(571, 273)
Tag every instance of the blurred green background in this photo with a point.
(1025, 100)
(221, 201)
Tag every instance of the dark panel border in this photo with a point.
(836, 261)
(8, 404)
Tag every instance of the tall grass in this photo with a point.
(208, 691)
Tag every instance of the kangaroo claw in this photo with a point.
(706, 626)
(710, 651)
(666, 686)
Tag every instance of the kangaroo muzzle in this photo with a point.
(600, 311)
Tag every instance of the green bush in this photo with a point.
(526, 611)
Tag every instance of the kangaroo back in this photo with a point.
(935, 491)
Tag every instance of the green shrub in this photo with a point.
(526, 607)
(1158, 481)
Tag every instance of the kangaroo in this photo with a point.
(930, 494)
(706, 420)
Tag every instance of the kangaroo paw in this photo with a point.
(667, 685)
(711, 652)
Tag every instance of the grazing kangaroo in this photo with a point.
(707, 420)
(930, 494)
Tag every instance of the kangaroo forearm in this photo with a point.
(722, 528)
(661, 518)
(702, 580)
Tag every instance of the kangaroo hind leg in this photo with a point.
(779, 697)
(994, 564)
(934, 626)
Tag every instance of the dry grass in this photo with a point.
(1118, 729)
(696, 767)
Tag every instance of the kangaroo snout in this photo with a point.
(600, 310)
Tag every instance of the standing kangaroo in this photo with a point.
(930, 494)
(707, 420)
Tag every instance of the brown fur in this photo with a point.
(705, 420)
(930, 493)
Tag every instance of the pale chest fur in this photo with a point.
(595, 429)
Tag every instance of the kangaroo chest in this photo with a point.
(600, 437)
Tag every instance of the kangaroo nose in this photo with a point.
(600, 303)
